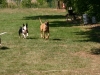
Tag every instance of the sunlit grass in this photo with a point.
(65, 53)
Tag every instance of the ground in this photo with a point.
(73, 49)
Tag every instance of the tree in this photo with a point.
(3, 3)
(91, 7)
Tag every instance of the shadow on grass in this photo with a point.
(4, 48)
(93, 34)
(31, 38)
(56, 22)
(56, 39)
(95, 51)
(44, 17)
(63, 24)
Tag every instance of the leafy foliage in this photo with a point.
(41, 2)
(90, 7)
(3, 3)
(26, 3)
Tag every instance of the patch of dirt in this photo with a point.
(94, 61)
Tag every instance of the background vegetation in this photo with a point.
(79, 6)
(29, 4)
(85, 6)
(3, 3)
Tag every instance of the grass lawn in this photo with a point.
(72, 49)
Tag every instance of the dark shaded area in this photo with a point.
(93, 34)
(95, 51)
(56, 39)
(44, 17)
(55, 22)
(4, 48)
(63, 23)
(31, 38)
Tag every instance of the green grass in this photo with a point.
(67, 52)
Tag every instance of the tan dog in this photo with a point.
(44, 28)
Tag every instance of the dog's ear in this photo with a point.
(26, 24)
(47, 23)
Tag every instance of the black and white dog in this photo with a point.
(23, 31)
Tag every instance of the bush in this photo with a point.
(34, 5)
(3, 3)
(26, 3)
(42, 3)
(47, 3)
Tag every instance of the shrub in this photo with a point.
(26, 3)
(3, 3)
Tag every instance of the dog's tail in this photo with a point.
(40, 20)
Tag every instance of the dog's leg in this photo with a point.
(24, 36)
(47, 35)
(43, 34)
(27, 34)
(19, 35)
